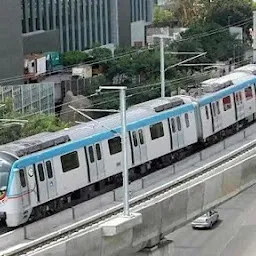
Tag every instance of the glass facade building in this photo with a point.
(81, 22)
(141, 10)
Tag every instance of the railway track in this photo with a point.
(96, 220)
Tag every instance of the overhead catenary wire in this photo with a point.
(204, 34)
(152, 86)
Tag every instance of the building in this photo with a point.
(82, 23)
(34, 26)
(11, 51)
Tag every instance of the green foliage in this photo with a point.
(162, 17)
(219, 46)
(99, 54)
(225, 12)
(14, 130)
(143, 63)
(42, 123)
(74, 57)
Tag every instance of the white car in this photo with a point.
(207, 220)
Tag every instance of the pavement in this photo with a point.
(233, 235)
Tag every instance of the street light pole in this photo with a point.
(122, 93)
(124, 150)
(254, 37)
(162, 64)
(162, 67)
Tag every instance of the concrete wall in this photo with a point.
(11, 52)
(42, 41)
(162, 214)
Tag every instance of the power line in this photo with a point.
(204, 34)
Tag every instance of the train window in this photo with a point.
(178, 123)
(41, 172)
(173, 125)
(157, 131)
(206, 112)
(141, 137)
(115, 145)
(187, 120)
(218, 107)
(49, 169)
(98, 151)
(22, 178)
(69, 161)
(134, 137)
(91, 155)
(248, 93)
(226, 103)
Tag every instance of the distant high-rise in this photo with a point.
(32, 26)
(82, 23)
(11, 51)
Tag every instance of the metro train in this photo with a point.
(48, 172)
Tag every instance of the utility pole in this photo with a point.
(162, 67)
(122, 93)
(254, 37)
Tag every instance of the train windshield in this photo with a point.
(6, 162)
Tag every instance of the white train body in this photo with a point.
(43, 172)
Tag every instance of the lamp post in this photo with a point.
(162, 64)
(122, 94)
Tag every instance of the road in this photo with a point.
(233, 235)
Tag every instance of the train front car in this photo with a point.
(10, 192)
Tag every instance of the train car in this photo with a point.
(48, 172)
(228, 103)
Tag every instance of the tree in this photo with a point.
(162, 17)
(219, 46)
(99, 54)
(74, 57)
(226, 12)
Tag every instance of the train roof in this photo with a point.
(135, 115)
(243, 83)
(216, 84)
(250, 68)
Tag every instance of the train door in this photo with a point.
(135, 147)
(24, 188)
(42, 183)
(239, 106)
(139, 148)
(50, 179)
(174, 134)
(92, 166)
(143, 146)
(216, 115)
(180, 132)
(95, 162)
(32, 185)
(99, 161)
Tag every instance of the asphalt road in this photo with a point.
(233, 235)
